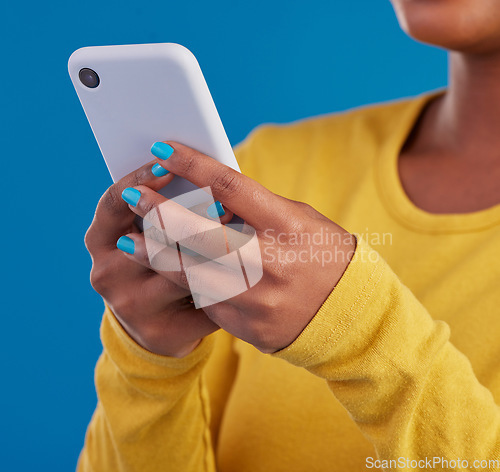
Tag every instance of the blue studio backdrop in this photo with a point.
(264, 61)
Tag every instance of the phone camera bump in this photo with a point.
(88, 77)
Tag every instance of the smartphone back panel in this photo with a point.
(148, 93)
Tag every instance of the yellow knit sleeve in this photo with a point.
(394, 369)
(152, 412)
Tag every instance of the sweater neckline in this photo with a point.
(394, 196)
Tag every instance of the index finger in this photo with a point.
(113, 217)
(241, 194)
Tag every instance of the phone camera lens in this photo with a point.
(89, 78)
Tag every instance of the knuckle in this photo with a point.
(99, 279)
(149, 207)
(308, 210)
(303, 206)
(227, 182)
(137, 177)
(297, 225)
(88, 238)
(140, 176)
(184, 165)
(111, 200)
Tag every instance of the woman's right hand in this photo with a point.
(155, 312)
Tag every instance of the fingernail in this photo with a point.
(161, 150)
(131, 196)
(126, 244)
(159, 171)
(215, 210)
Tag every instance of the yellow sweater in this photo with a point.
(400, 364)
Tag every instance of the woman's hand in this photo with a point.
(152, 309)
(302, 254)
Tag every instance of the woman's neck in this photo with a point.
(466, 121)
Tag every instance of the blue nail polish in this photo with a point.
(215, 210)
(159, 171)
(131, 196)
(126, 244)
(161, 150)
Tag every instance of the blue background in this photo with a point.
(264, 61)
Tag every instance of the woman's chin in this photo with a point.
(456, 26)
(468, 44)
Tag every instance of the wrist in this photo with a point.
(161, 344)
(183, 351)
(133, 359)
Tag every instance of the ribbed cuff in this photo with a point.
(351, 296)
(133, 359)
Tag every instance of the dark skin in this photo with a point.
(451, 161)
(449, 164)
(147, 292)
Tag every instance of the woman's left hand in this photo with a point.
(279, 286)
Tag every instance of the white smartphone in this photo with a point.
(135, 95)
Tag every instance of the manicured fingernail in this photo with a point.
(159, 171)
(131, 196)
(161, 150)
(126, 244)
(215, 210)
